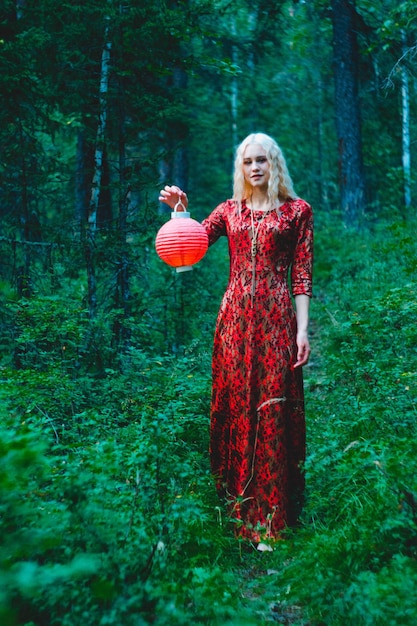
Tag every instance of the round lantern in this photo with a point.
(182, 241)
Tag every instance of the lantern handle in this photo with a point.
(180, 203)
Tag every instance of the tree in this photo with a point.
(398, 34)
(347, 110)
(90, 242)
(406, 158)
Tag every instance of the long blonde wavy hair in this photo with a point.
(280, 187)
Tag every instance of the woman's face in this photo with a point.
(256, 168)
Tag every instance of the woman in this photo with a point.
(257, 438)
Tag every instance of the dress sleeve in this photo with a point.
(302, 266)
(215, 223)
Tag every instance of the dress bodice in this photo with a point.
(283, 240)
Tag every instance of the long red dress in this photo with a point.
(257, 433)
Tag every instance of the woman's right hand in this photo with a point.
(171, 195)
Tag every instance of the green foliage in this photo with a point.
(353, 560)
(33, 523)
(108, 513)
(107, 499)
(110, 506)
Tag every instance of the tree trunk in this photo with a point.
(20, 6)
(83, 170)
(96, 185)
(23, 272)
(347, 105)
(405, 97)
(322, 188)
(234, 89)
(122, 298)
(180, 136)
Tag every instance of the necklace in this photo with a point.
(254, 249)
(255, 231)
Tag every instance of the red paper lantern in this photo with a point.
(182, 241)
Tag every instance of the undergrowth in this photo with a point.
(108, 510)
(354, 559)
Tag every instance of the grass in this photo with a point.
(108, 510)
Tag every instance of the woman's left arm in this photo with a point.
(302, 305)
(302, 270)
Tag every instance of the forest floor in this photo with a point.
(272, 611)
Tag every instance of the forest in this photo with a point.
(108, 512)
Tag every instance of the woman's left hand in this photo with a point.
(303, 352)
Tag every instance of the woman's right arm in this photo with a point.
(214, 224)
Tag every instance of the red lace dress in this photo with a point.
(257, 441)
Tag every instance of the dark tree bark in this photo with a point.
(180, 136)
(121, 329)
(23, 276)
(90, 243)
(83, 177)
(347, 105)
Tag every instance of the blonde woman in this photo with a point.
(257, 439)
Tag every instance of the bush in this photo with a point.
(354, 559)
(113, 518)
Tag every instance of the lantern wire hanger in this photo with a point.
(184, 211)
